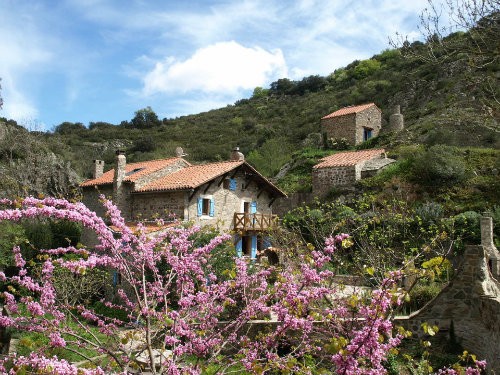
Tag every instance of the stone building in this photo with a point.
(345, 168)
(356, 124)
(231, 195)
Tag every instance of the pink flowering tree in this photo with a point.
(181, 319)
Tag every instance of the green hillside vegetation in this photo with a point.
(442, 104)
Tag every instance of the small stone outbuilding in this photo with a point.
(343, 169)
(356, 123)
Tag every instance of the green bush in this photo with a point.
(438, 166)
(422, 293)
(65, 233)
(467, 224)
(110, 312)
(430, 212)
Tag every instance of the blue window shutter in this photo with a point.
(232, 184)
(267, 242)
(115, 278)
(200, 206)
(254, 247)
(239, 247)
(253, 208)
(212, 207)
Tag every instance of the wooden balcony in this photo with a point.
(257, 222)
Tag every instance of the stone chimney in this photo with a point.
(179, 152)
(98, 168)
(489, 246)
(236, 155)
(118, 189)
(396, 120)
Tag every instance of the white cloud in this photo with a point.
(221, 67)
(18, 107)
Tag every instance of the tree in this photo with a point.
(145, 118)
(474, 26)
(69, 128)
(174, 305)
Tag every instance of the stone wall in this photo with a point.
(472, 301)
(340, 127)
(283, 205)
(324, 179)
(148, 206)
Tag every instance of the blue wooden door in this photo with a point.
(254, 247)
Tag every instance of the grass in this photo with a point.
(35, 341)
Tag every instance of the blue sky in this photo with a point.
(101, 60)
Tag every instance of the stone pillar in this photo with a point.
(489, 246)
(98, 168)
(396, 120)
(118, 189)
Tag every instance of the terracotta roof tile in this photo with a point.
(144, 168)
(343, 159)
(350, 110)
(197, 175)
(191, 177)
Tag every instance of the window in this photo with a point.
(133, 171)
(206, 207)
(229, 184)
(367, 134)
(246, 207)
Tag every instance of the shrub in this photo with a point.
(438, 166)
(467, 224)
(422, 293)
(429, 212)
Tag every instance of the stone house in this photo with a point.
(343, 169)
(231, 195)
(356, 123)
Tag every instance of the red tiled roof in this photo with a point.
(148, 167)
(197, 175)
(148, 227)
(350, 110)
(192, 176)
(343, 159)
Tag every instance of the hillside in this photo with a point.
(445, 103)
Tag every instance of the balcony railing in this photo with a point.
(244, 221)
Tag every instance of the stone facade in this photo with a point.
(160, 204)
(228, 202)
(326, 179)
(352, 126)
